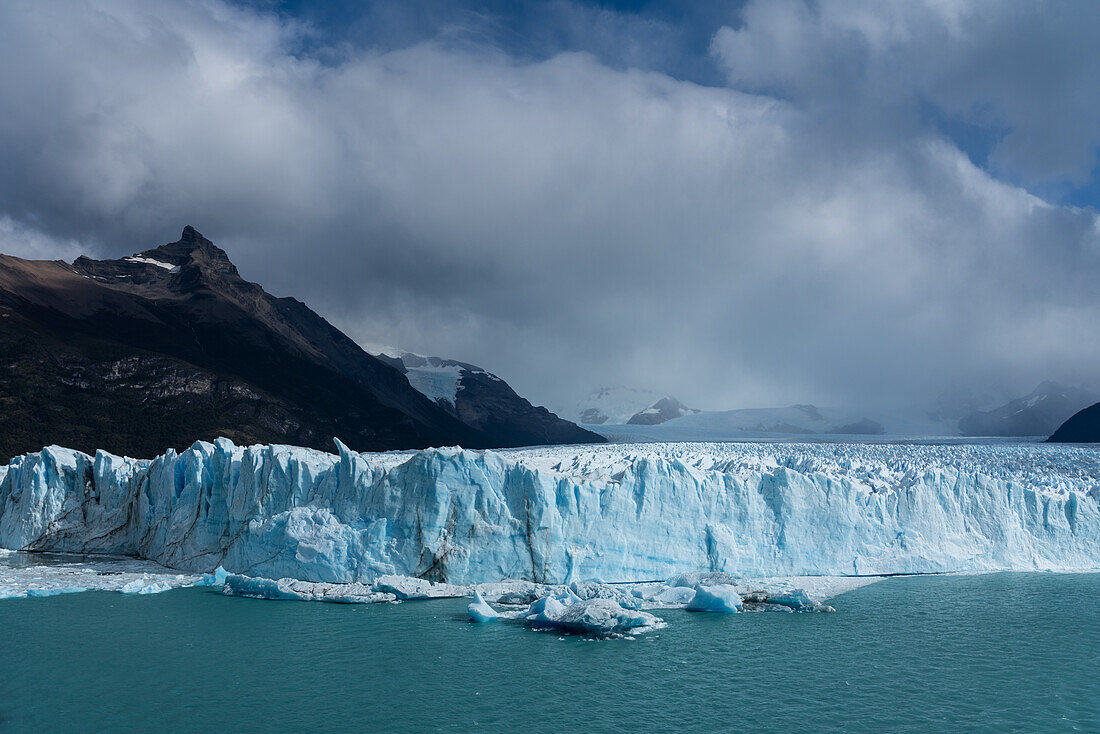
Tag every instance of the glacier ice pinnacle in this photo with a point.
(564, 514)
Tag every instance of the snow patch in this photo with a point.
(437, 383)
(150, 261)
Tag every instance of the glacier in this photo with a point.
(558, 515)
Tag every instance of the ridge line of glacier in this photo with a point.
(562, 514)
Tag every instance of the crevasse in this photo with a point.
(556, 515)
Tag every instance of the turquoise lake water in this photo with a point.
(1004, 652)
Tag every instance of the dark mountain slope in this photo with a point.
(172, 345)
(1083, 427)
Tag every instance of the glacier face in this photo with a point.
(561, 514)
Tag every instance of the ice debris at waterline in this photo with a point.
(586, 608)
(554, 515)
(25, 575)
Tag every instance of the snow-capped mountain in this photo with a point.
(792, 421)
(1039, 413)
(788, 423)
(484, 401)
(610, 405)
(665, 409)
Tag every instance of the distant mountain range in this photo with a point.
(1038, 413)
(665, 409)
(171, 345)
(796, 421)
(613, 405)
(625, 405)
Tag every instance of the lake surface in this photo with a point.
(1004, 652)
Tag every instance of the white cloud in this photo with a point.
(561, 222)
(27, 242)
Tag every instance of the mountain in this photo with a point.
(1038, 413)
(1081, 427)
(803, 419)
(486, 402)
(665, 409)
(751, 423)
(171, 345)
(613, 405)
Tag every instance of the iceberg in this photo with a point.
(723, 598)
(297, 590)
(674, 595)
(598, 616)
(797, 600)
(480, 611)
(563, 515)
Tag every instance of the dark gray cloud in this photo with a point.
(807, 233)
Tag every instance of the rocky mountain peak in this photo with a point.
(193, 249)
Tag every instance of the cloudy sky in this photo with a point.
(751, 204)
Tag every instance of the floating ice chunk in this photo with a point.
(480, 611)
(673, 595)
(214, 579)
(585, 590)
(721, 598)
(548, 608)
(145, 585)
(406, 587)
(54, 591)
(403, 587)
(798, 600)
(295, 590)
(598, 616)
(518, 598)
(257, 588)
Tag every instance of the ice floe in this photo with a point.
(46, 574)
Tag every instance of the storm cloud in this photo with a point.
(840, 203)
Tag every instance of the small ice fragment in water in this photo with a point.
(480, 611)
(798, 600)
(214, 579)
(145, 585)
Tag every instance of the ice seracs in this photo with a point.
(624, 513)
